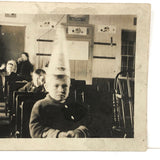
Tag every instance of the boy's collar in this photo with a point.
(54, 101)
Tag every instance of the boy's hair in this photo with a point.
(39, 71)
(26, 54)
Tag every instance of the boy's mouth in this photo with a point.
(61, 95)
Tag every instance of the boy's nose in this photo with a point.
(60, 89)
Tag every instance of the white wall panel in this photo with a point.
(78, 50)
(104, 68)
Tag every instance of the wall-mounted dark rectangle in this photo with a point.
(11, 15)
(135, 21)
(108, 44)
(45, 40)
(78, 19)
(102, 57)
(43, 54)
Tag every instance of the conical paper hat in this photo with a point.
(59, 62)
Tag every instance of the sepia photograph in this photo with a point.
(73, 75)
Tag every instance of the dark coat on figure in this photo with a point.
(1, 90)
(10, 80)
(24, 69)
(10, 86)
(48, 115)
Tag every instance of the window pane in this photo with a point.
(130, 63)
(124, 50)
(130, 50)
(124, 61)
(131, 66)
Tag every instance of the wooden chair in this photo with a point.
(9, 96)
(123, 105)
(24, 104)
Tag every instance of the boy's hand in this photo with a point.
(75, 134)
(78, 134)
(62, 135)
(70, 134)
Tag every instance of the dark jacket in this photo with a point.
(10, 86)
(10, 81)
(24, 69)
(48, 115)
(1, 90)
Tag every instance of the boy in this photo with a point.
(37, 83)
(52, 118)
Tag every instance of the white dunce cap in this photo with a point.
(59, 62)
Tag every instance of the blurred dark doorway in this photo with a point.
(11, 42)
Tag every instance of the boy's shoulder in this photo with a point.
(42, 103)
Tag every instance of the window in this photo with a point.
(128, 48)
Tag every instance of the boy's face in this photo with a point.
(10, 67)
(58, 88)
(38, 80)
(24, 57)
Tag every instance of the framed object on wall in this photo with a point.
(78, 19)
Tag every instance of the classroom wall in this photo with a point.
(101, 68)
(47, 32)
(108, 68)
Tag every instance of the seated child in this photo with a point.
(52, 117)
(2, 82)
(37, 83)
(11, 75)
(10, 81)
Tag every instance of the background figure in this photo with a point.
(10, 80)
(11, 75)
(11, 67)
(2, 81)
(37, 83)
(25, 68)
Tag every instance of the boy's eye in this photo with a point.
(64, 86)
(56, 85)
